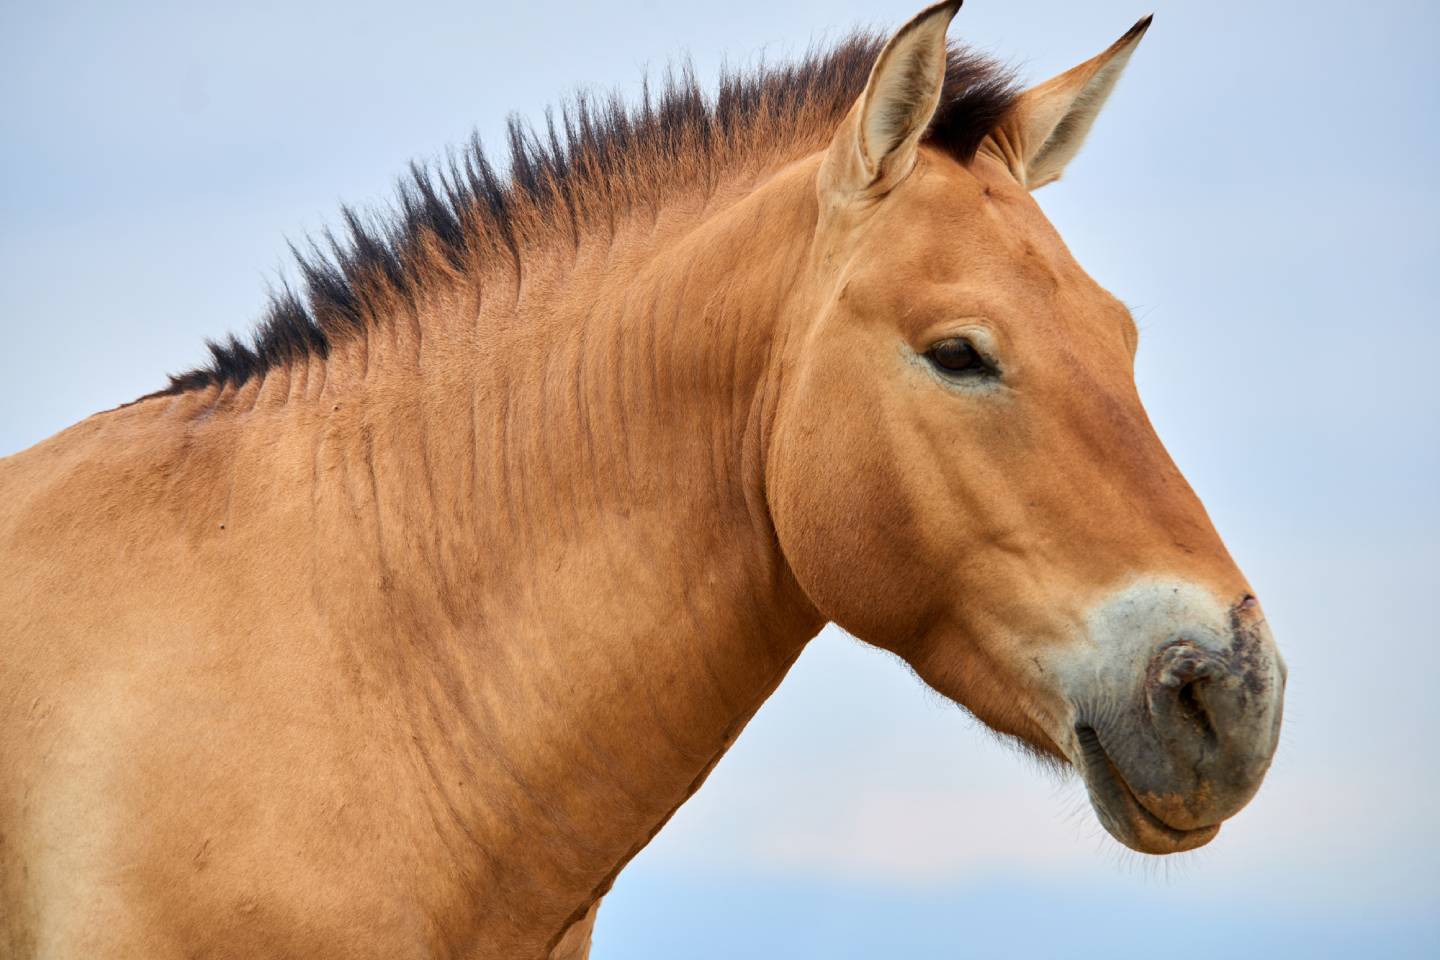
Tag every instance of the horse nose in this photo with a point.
(1213, 712)
(1178, 698)
(1183, 691)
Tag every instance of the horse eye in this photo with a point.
(956, 355)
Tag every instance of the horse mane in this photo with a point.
(598, 160)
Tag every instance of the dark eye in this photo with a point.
(957, 356)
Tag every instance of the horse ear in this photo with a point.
(876, 144)
(1048, 123)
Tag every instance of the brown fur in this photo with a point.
(594, 166)
(405, 647)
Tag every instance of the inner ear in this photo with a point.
(876, 145)
(904, 88)
(1048, 124)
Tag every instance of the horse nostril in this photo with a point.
(1191, 703)
(1180, 664)
(1177, 685)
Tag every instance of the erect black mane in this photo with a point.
(464, 207)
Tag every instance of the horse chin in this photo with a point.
(1123, 815)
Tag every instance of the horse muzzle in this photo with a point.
(1177, 715)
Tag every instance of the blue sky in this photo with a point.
(1261, 191)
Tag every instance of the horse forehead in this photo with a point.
(957, 222)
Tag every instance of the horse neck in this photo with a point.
(546, 536)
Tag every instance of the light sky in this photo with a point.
(1261, 190)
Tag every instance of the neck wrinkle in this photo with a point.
(543, 551)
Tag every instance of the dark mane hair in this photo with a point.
(598, 159)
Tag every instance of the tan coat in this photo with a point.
(406, 646)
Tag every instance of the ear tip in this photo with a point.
(945, 8)
(933, 20)
(1133, 35)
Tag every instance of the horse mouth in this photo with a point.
(1121, 813)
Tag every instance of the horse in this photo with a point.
(399, 629)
